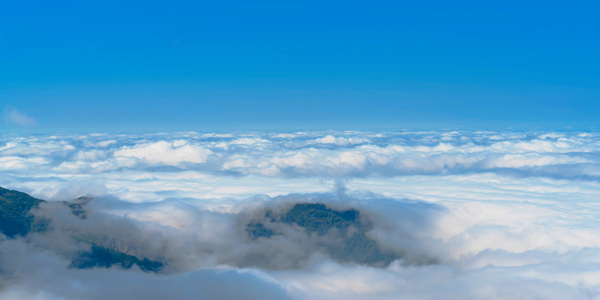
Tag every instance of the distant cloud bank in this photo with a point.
(345, 155)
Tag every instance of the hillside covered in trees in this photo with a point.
(18, 220)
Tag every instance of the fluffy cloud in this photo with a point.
(175, 153)
(493, 215)
(349, 154)
(499, 251)
(30, 273)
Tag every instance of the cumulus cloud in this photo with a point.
(352, 154)
(175, 153)
(187, 236)
(465, 215)
(15, 117)
(498, 255)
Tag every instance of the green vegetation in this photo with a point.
(78, 206)
(344, 229)
(256, 230)
(316, 217)
(15, 218)
(104, 257)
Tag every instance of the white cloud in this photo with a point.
(175, 153)
(15, 117)
(518, 217)
(355, 155)
(29, 273)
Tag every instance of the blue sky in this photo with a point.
(270, 65)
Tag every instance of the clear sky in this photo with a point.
(307, 65)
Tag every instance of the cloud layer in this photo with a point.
(497, 215)
(346, 154)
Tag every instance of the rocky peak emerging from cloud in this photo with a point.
(15, 218)
(20, 215)
(341, 234)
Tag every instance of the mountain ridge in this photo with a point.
(17, 220)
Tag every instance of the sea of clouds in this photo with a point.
(498, 215)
